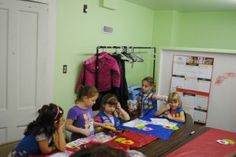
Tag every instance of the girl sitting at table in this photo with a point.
(173, 108)
(111, 112)
(44, 135)
(146, 104)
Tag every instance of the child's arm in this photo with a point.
(159, 97)
(59, 139)
(101, 124)
(179, 118)
(105, 125)
(45, 148)
(70, 127)
(163, 109)
(123, 114)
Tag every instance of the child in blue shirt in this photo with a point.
(111, 111)
(147, 99)
(44, 135)
(173, 109)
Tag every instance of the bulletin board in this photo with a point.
(191, 78)
(222, 97)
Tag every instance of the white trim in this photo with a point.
(201, 50)
(51, 46)
(38, 1)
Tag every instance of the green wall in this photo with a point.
(195, 29)
(207, 30)
(78, 34)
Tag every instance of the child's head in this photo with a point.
(97, 150)
(48, 116)
(109, 103)
(147, 84)
(174, 100)
(88, 95)
(51, 113)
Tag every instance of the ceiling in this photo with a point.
(188, 5)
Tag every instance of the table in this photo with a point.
(185, 134)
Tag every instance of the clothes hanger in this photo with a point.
(135, 57)
(125, 56)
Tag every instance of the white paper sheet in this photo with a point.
(135, 123)
(204, 86)
(177, 82)
(163, 122)
(189, 100)
(201, 102)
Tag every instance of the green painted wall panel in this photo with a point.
(207, 30)
(78, 34)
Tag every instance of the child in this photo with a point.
(173, 108)
(44, 135)
(98, 150)
(147, 99)
(80, 117)
(111, 111)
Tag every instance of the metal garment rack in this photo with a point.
(123, 47)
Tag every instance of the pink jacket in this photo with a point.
(108, 73)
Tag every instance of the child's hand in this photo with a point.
(168, 106)
(107, 124)
(160, 97)
(86, 132)
(60, 123)
(131, 110)
(169, 116)
(118, 106)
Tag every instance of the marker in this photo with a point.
(192, 132)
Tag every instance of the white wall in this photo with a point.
(222, 101)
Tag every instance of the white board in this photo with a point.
(222, 101)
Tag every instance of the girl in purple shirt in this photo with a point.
(80, 117)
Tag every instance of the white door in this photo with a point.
(23, 65)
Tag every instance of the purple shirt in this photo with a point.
(82, 118)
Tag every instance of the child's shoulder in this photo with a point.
(180, 109)
(73, 108)
(100, 113)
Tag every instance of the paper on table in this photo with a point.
(162, 121)
(61, 154)
(136, 123)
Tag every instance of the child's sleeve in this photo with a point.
(98, 119)
(71, 114)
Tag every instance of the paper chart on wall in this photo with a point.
(180, 64)
(189, 100)
(191, 76)
(204, 85)
(177, 82)
(201, 102)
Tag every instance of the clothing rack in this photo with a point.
(123, 48)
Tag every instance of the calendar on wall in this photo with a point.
(191, 78)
